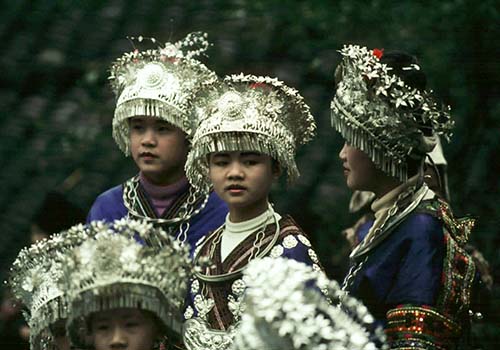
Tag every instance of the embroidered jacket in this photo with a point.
(110, 206)
(417, 280)
(214, 307)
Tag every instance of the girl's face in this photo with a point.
(359, 170)
(243, 180)
(159, 149)
(124, 329)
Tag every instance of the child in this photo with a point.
(33, 279)
(122, 294)
(410, 269)
(249, 131)
(152, 123)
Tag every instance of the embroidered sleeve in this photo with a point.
(296, 246)
(420, 327)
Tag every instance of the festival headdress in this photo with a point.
(157, 83)
(376, 112)
(284, 309)
(248, 113)
(129, 264)
(34, 277)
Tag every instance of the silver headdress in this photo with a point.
(248, 113)
(374, 111)
(115, 270)
(33, 280)
(157, 83)
(286, 310)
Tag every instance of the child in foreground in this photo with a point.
(250, 128)
(123, 294)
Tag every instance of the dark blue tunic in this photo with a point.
(416, 278)
(405, 268)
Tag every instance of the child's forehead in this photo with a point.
(237, 154)
(148, 119)
(121, 313)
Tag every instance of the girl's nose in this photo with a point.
(149, 138)
(342, 153)
(118, 338)
(235, 171)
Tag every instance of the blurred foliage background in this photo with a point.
(56, 107)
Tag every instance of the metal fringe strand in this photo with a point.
(366, 142)
(121, 295)
(147, 108)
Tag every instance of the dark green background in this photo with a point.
(56, 107)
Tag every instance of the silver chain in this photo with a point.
(216, 242)
(353, 271)
(257, 242)
(356, 266)
(186, 212)
(259, 237)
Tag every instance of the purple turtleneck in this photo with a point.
(162, 197)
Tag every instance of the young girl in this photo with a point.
(249, 131)
(152, 123)
(410, 269)
(122, 294)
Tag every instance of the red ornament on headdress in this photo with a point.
(378, 53)
(257, 85)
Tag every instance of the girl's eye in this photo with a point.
(164, 129)
(250, 162)
(220, 163)
(137, 127)
(131, 324)
(102, 327)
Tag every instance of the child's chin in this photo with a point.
(237, 202)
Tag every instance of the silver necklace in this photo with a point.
(255, 254)
(382, 231)
(186, 212)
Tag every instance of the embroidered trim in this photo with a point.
(313, 256)
(188, 313)
(458, 268)
(290, 242)
(420, 328)
(303, 239)
(276, 251)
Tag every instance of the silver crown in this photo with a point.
(373, 109)
(33, 280)
(158, 83)
(127, 264)
(248, 113)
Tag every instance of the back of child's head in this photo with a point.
(406, 67)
